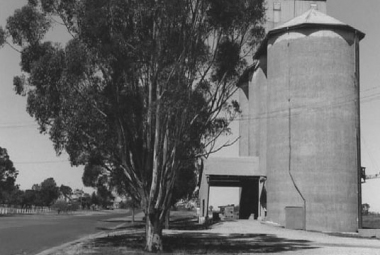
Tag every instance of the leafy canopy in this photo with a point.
(8, 175)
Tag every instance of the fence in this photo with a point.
(10, 210)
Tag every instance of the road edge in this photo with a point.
(77, 241)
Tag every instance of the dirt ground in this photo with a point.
(185, 236)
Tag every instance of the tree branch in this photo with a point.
(15, 49)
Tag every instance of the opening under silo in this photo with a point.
(241, 191)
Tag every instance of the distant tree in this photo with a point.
(105, 196)
(365, 208)
(133, 205)
(78, 193)
(102, 179)
(60, 206)
(8, 175)
(86, 201)
(64, 206)
(46, 193)
(29, 198)
(94, 199)
(66, 192)
(185, 183)
(35, 195)
(15, 196)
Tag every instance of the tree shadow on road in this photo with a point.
(133, 241)
(203, 243)
(194, 241)
(136, 225)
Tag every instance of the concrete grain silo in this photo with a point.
(259, 82)
(312, 123)
(299, 148)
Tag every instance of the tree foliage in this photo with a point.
(141, 90)
(8, 175)
(66, 191)
(185, 183)
(45, 193)
(29, 199)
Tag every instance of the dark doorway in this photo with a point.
(249, 196)
(249, 199)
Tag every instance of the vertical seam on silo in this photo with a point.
(357, 85)
(290, 133)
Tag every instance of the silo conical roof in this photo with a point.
(313, 18)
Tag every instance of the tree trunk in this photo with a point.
(167, 219)
(153, 233)
(133, 215)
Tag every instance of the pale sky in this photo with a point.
(31, 152)
(34, 156)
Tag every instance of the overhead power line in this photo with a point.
(339, 101)
(40, 162)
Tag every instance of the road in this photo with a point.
(35, 233)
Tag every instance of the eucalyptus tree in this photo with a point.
(45, 193)
(66, 192)
(8, 175)
(143, 86)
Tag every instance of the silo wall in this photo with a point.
(312, 127)
(254, 110)
(244, 121)
(260, 78)
(259, 121)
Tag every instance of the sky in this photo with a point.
(33, 154)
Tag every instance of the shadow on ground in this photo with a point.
(232, 243)
(197, 242)
(136, 225)
(202, 243)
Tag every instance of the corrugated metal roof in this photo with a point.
(311, 18)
